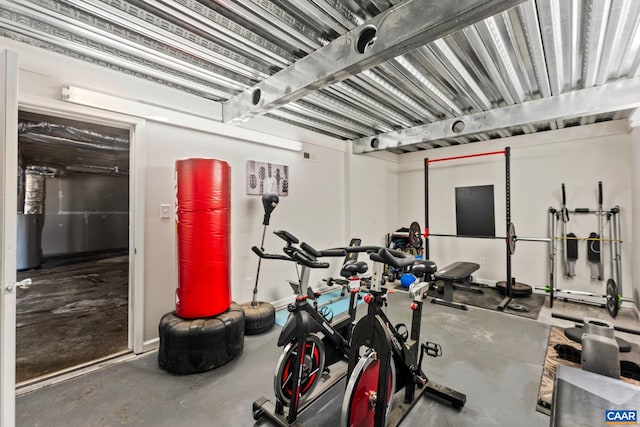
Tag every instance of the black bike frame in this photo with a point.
(375, 331)
(304, 320)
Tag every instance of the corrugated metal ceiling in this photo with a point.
(216, 49)
(63, 146)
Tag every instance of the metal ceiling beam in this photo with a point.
(393, 32)
(615, 96)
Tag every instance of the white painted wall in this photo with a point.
(579, 157)
(314, 209)
(372, 196)
(634, 259)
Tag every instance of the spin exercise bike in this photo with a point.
(312, 341)
(385, 359)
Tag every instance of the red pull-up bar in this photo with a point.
(507, 161)
(466, 156)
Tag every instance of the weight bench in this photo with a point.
(458, 272)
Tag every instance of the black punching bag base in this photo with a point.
(259, 318)
(188, 346)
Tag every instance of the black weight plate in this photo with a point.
(518, 307)
(259, 318)
(415, 236)
(511, 238)
(613, 305)
(517, 290)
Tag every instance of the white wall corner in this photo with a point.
(634, 128)
(634, 119)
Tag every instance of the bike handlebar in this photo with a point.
(301, 258)
(393, 258)
(261, 254)
(306, 254)
(324, 253)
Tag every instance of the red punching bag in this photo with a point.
(203, 220)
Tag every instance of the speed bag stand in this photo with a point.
(189, 346)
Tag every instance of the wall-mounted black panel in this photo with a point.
(475, 214)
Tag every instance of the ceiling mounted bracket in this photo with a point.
(615, 96)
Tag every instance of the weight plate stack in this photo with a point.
(518, 290)
(189, 346)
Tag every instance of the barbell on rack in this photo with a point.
(415, 237)
(511, 237)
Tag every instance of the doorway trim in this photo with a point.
(137, 142)
(8, 237)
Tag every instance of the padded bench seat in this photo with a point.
(458, 272)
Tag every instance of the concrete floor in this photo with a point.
(74, 312)
(496, 359)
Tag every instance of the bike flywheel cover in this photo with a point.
(358, 406)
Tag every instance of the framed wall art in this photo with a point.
(263, 177)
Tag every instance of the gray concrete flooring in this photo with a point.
(74, 312)
(495, 358)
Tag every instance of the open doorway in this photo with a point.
(73, 243)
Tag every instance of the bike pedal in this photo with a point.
(420, 381)
(432, 349)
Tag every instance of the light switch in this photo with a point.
(165, 211)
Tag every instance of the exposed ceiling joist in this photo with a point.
(218, 49)
(611, 97)
(393, 32)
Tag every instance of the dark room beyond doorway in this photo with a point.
(73, 243)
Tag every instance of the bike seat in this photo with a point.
(422, 267)
(352, 268)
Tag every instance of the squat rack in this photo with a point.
(509, 240)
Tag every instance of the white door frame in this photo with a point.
(8, 237)
(137, 138)
(10, 102)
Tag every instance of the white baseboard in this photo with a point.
(150, 345)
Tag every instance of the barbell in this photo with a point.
(511, 237)
(415, 237)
